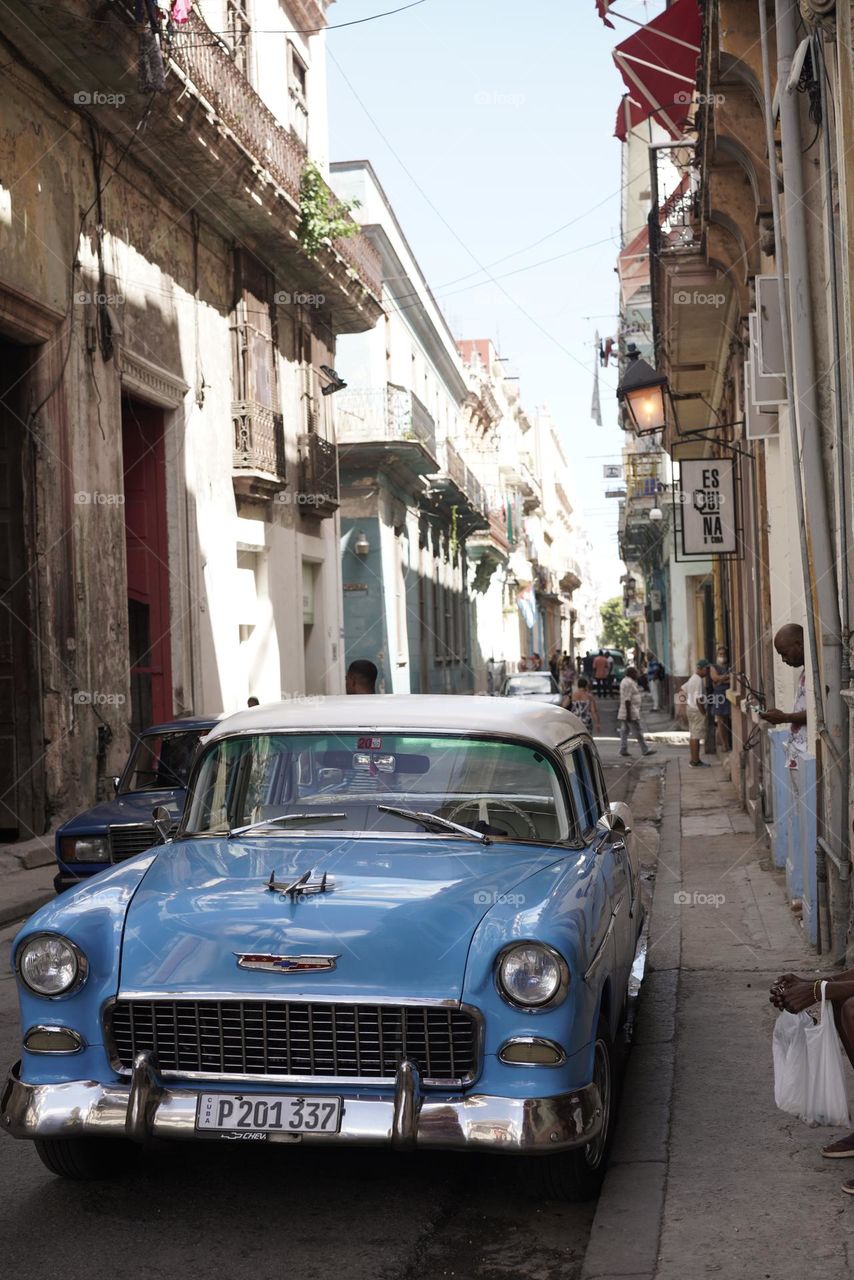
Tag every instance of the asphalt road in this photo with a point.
(245, 1212)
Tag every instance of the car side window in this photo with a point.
(595, 767)
(583, 793)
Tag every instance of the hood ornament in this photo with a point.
(285, 964)
(304, 886)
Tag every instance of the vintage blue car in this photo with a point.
(156, 773)
(391, 920)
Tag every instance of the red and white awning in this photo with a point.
(658, 63)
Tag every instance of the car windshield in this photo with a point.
(535, 682)
(162, 761)
(502, 789)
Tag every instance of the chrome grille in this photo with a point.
(290, 1039)
(127, 841)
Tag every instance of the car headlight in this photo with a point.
(532, 975)
(51, 965)
(84, 849)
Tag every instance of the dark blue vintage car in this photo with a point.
(156, 774)
(411, 921)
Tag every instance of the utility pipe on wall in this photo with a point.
(817, 553)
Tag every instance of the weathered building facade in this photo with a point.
(170, 537)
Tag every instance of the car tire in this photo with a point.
(578, 1175)
(85, 1159)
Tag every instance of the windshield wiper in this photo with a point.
(283, 817)
(433, 820)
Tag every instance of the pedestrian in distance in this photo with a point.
(253, 702)
(361, 676)
(719, 674)
(609, 679)
(600, 672)
(582, 704)
(655, 678)
(587, 665)
(789, 643)
(566, 674)
(628, 714)
(694, 694)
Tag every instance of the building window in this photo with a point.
(239, 32)
(253, 334)
(298, 93)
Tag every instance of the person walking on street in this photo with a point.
(694, 692)
(566, 674)
(582, 704)
(789, 643)
(600, 672)
(587, 665)
(609, 679)
(719, 676)
(628, 715)
(655, 676)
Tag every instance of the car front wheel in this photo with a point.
(85, 1159)
(578, 1175)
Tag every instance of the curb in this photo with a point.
(626, 1230)
(12, 911)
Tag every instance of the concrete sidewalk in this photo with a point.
(707, 1177)
(27, 869)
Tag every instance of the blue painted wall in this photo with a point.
(365, 624)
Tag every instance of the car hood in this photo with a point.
(135, 806)
(399, 916)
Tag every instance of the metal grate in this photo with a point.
(126, 842)
(282, 1039)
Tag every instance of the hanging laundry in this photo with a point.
(152, 77)
(181, 10)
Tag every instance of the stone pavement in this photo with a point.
(708, 1178)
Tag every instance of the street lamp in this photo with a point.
(642, 392)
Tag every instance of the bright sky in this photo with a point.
(490, 127)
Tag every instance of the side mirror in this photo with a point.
(611, 830)
(115, 781)
(162, 823)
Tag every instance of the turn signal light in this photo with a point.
(532, 1052)
(52, 1040)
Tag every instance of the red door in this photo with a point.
(148, 564)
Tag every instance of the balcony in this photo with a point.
(317, 492)
(386, 428)
(208, 135)
(258, 465)
(389, 413)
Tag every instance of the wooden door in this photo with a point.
(147, 544)
(22, 801)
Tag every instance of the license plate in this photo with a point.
(267, 1113)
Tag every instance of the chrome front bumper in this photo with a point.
(150, 1107)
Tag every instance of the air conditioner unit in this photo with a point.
(768, 389)
(759, 422)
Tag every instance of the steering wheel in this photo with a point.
(483, 807)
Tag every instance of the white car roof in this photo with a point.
(542, 722)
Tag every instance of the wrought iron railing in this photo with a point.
(206, 61)
(383, 413)
(318, 475)
(259, 439)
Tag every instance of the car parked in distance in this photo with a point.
(408, 921)
(156, 773)
(539, 685)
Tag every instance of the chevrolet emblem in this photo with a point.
(285, 964)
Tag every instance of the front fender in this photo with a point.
(93, 917)
(566, 906)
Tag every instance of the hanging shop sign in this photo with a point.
(708, 508)
(612, 471)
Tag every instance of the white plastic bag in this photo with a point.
(826, 1096)
(789, 1047)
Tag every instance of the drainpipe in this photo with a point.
(818, 561)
